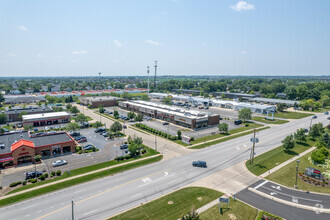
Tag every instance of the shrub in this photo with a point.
(246, 125)
(58, 173)
(0, 187)
(42, 177)
(24, 182)
(192, 138)
(34, 180)
(128, 156)
(143, 151)
(15, 184)
(53, 173)
(125, 142)
(46, 175)
(37, 158)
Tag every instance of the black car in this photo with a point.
(123, 146)
(165, 123)
(199, 163)
(98, 130)
(32, 174)
(75, 134)
(238, 122)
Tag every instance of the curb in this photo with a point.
(306, 207)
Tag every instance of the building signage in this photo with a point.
(182, 119)
(313, 173)
(24, 153)
(185, 139)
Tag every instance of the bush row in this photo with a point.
(155, 131)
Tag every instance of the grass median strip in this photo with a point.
(269, 121)
(291, 115)
(226, 139)
(79, 180)
(173, 205)
(82, 170)
(274, 157)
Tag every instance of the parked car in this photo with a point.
(98, 130)
(306, 130)
(59, 163)
(238, 122)
(123, 146)
(124, 126)
(201, 107)
(6, 130)
(88, 147)
(74, 134)
(84, 125)
(326, 113)
(206, 107)
(82, 139)
(32, 174)
(104, 134)
(199, 163)
(165, 123)
(328, 118)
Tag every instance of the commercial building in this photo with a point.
(187, 118)
(21, 146)
(15, 114)
(96, 101)
(187, 91)
(275, 101)
(22, 99)
(231, 95)
(45, 119)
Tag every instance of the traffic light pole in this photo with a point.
(253, 146)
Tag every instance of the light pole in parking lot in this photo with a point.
(297, 167)
(313, 117)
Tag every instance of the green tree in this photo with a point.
(115, 114)
(223, 127)
(2, 98)
(288, 143)
(116, 126)
(126, 95)
(68, 106)
(326, 139)
(74, 110)
(130, 115)
(138, 141)
(72, 127)
(3, 118)
(192, 215)
(133, 149)
(167, 100)
(316, 130)
(20, 116)
(101, 109)
(318, 156)
(145, 97)
(97, 124)
(179, 135)
(245, 114)
(300, 135)
(138, 118)
(80, 118)
(281, 107)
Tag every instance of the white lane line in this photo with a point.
(80, 191)
(28, 207)
(154, 181)
(27, 215)
(39, 211)
(136, 195)
(171, 182)
(90, 212)
(266, 181)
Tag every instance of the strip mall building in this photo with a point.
(20, 147)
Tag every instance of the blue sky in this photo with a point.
(191, 37)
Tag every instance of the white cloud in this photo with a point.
(242, 6)
(40, 55)
(11, 54)
(203, 44)
(243, 52)
(115, 61)
(81, 52)
(153, 42)
(22, 28)
(117, 43)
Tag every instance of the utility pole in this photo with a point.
(253, 146)
(72, 205)
(148, 77)
(155, 81)
(155, 142)
(297, 168)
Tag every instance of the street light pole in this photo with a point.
(297, 167)
(72, 210)
(155, 142)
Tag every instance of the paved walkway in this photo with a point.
(75, 177)
(286, 162)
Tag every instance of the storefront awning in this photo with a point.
(6, 159)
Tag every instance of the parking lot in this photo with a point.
(156, 124)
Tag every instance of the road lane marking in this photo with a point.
(28, 207)
(295, 199)
(136, 195)
(90, 212)
(171, 182)
(79, 191)
(152, 181)
(96, 195)
(261, 184)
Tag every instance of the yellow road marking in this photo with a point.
(116, 187)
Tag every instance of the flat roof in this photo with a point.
(45, 115)
(8, 139)
(101, 98)
(291, 102)
(27, 110)
(238, 94)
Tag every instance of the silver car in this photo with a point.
(59, 163)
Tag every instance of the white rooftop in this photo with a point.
(45, 115)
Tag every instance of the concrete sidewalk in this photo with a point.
(286, 162)
(75, 177)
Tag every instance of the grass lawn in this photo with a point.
(264, 120)
(272, 158)
(86, 169)
(226, 139)
(69, 183)
(291, 115)
(237, 210)
(287, 175)
(173, 205)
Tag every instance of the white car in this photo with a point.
(59, 163)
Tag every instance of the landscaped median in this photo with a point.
(269, 121)
(223, 139)
(76, 176)
(291, 115)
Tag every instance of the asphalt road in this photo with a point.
(108, 196)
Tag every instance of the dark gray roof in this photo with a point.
(29, 110)
(187, 90)
(236, 94)
(48, 139)
(23, 99)
(289, 102)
